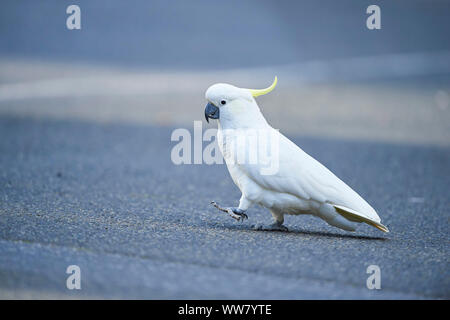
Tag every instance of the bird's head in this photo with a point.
(234, 106)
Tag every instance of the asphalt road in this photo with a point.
(82, 190)
(107, 197)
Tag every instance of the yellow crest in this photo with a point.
(259, 92)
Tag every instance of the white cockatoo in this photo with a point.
(298, 184)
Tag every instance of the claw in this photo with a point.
(243, 215)
(234, 216)
(239, 216)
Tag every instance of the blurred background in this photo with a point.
(144, 62)
(86, 118)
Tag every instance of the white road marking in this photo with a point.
(121, 83)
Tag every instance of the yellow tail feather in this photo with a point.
(354, 217)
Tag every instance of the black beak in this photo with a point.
(211, 111)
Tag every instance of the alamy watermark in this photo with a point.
(74, 280)
(374, 280)
(374, 20)
(74, 20)
(253, 147)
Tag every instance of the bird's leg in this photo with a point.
(234, 212)
(271, 227)
(276, 226)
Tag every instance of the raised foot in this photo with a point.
(235, 213)
(271, 227)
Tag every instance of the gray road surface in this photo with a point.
(85, 124)
(108, 198)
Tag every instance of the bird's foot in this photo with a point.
(272, 227)
(235, 213)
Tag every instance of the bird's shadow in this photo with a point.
(298, 232)
(334, 235)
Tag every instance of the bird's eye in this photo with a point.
(223, 102)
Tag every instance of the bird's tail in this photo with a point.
(356, 217)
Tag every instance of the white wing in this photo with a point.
(301, 175)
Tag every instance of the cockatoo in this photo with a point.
(299, 185)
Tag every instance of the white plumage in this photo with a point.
(299, 185)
